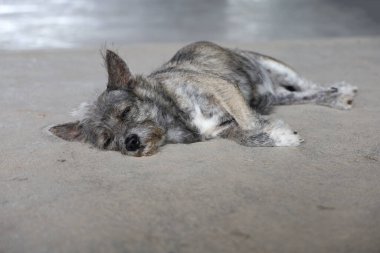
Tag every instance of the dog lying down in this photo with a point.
(205, 91)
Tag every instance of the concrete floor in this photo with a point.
(91, 23)
(215, 196)
(206, 197)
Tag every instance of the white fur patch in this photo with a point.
(80, 111)
(282, 135)
(285, 74)
(280, 68)
(206, 126)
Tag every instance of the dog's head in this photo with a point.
(118, 119)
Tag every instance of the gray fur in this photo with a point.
(204, 91)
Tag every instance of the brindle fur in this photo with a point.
(205, 91)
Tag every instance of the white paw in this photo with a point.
(282, 135)
(344, 94)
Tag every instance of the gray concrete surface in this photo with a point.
(29, 24)
(216, 196)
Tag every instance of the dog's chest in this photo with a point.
(204, 113)
(207, 123)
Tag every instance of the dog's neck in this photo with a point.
(150, 89)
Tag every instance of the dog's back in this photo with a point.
(233, 66)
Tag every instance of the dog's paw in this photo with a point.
(342, 95)
(282, 135)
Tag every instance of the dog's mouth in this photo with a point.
(143, 150)
(137, 153)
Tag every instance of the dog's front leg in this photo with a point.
(271, 134)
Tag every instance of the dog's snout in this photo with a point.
(132, 143)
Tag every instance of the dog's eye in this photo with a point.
(124, 114)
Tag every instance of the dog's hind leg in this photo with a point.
(279, 72)
(291, 88)
(339, 96)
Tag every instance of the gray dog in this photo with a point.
(205, 91)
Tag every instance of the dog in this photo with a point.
(204, 91)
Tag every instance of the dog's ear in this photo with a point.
(69, 131)
(118, 72)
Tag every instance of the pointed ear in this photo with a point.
(118, 71)
(69, 131)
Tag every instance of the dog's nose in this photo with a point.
(132, 143)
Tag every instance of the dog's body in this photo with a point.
(205, 91)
